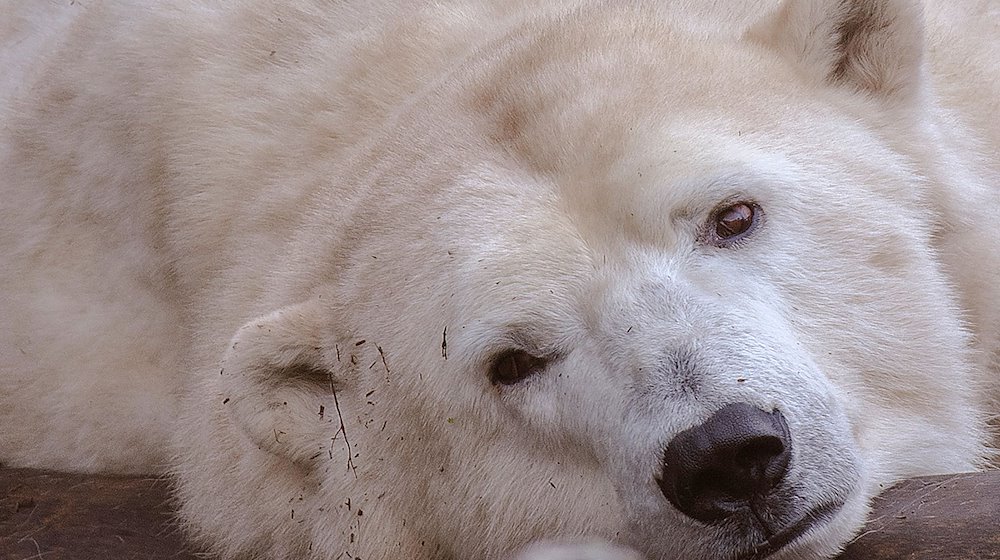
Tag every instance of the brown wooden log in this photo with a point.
(56, 516)
(952, 517)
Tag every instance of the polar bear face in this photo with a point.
(672, 312)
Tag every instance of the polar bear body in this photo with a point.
(280, 251)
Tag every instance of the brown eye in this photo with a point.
(734, 221)
(514, 366)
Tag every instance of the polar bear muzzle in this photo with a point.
(728, 464)
(733, 468)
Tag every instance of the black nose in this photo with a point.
(718, 468)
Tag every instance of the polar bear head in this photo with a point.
(617, 275)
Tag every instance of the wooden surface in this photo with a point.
(55, 516)
(955, 517)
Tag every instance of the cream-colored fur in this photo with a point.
(271, 248)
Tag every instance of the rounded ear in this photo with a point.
(874, 46)
(280, 387)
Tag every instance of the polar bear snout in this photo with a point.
(727, 464)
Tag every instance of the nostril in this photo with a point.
(758, 458)
(756, 449)
(712, 470)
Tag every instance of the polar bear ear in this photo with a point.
(874, 46)
(278, 381)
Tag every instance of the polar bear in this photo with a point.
(390, 279)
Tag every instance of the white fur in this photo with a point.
(270, 248)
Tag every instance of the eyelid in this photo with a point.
(525, 365)
(518, 337)
(521, 339)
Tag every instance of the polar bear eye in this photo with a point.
(514, 366)
(733, 221)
